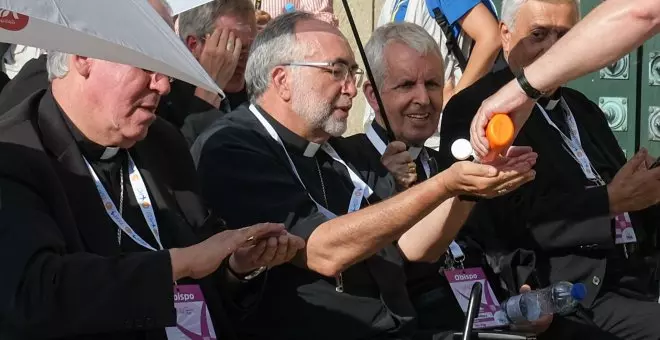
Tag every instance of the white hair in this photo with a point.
(409, 34)
(57, 63)
(510, 9)
(274, 46)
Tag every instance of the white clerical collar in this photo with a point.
(552, 103)
(415, 151)
(109, 152)
(311, 149)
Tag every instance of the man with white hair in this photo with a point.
(589, 215)
(101, 221)
(467, 40)
(283, 160)
(407, 66)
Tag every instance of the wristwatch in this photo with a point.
(530, 91)
(248, 276)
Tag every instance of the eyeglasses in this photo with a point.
(340, 71)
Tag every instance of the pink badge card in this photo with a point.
(624, 231)
(490, 312)
(193, 321)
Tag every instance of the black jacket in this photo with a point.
(566, 224)
(63, 275)
(30, 79)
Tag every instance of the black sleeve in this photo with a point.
(180, 103)
(558, 217)
(47, 291)
(246, 183)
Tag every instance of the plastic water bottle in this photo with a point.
(560, 298)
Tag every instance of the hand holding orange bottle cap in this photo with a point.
(499, 132)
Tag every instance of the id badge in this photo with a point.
(193, 321)
(356, 200)
(624, 231)
(490, 312)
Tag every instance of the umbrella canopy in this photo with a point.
(128, 32)
(180, 6)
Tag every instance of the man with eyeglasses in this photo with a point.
(282, 159)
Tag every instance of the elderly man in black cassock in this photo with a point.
(282, 159)
(408, 70)
(101, 224)
(590, 216)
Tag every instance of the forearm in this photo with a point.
(623, 24)
(349, 239)
(480, 63)
(429, 239)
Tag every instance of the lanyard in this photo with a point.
(573, 144)
(142, 197)
(454, 249)
(361, 188)
(414, 151)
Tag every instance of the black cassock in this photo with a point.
(247, 176)
(64, 273)
(563, 217)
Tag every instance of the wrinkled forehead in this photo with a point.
(242, 24)
(323, 42)
(399, 56)
(548, 13)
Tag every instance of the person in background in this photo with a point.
(471, 29)
(16, 55)
(219, 34)
(590, 216)
(623, 24)
(407, 65)
(282, 159)
(270, 9)
(103, 229)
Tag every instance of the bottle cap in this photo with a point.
(578, 291)
(461, 149)
(289, 7)
(499, 131)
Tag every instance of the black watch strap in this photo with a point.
(527, 87)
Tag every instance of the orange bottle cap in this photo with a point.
(499, 131)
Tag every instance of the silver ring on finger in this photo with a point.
(502, 191)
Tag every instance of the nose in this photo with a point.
(421, 95)
(349, 87)
(160, 83)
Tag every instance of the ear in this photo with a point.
(282, 83)
(505, 36)
(82, 65)
(194, 45)
(370, 95)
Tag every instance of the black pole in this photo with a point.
(367, 68)
(473, 309)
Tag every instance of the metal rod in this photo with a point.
(473, 309)
(367, 68)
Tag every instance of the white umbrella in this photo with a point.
(128, 32)
(180, 6)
